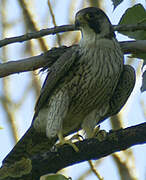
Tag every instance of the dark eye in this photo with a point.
(89, 16)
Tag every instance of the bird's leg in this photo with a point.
(99, 134)
(89, 123)
(90, 128)
(64, 141)
(96, 131)
(74, 137)
(57, 113)
(77, 136)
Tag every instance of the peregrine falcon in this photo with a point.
(86, 85)
(95, 87)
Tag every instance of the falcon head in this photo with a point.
(93, 21)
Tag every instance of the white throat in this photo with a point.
(88, 37)
(91, 40)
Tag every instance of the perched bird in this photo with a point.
(92, 84)
(84, 96)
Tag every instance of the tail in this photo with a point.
(30, 144)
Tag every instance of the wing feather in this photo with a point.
(55, 73)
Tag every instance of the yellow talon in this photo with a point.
(63, 141)
(99, 134)
(96, 131)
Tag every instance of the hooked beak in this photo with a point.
(77, 24)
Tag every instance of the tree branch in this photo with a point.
(64, 156)
(48, 58)
(32, 63)
(130, 27)
(60, 29)
(133, 47)
(92, 149)
(37, 34)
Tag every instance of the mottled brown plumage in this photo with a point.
(82, 96)
(92, 85)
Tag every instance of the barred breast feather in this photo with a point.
(93, 79)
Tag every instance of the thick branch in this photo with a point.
(51, 162)
(32, 63)
(60, 29)
(48, 58)
(92, 149)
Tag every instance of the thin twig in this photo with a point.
(54, 22)
(30, 22)
(37, 34)
(6, 99)
(94, 170)
(126, 165)
(88, 172)
(60, 29)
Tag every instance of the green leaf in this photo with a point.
(143, 86)
(134, 15)
(144, 61)
(140, 56)
(116, 2)
(54, 177)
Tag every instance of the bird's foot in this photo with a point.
(69, 141)
(77, 137)
(99, 134)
